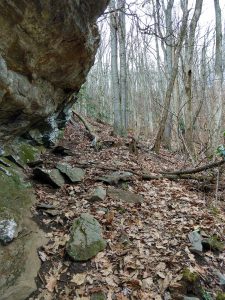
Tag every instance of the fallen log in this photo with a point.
(195, 170)
(178, 177)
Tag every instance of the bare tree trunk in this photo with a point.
(123, 63)
(169, 63)
(189, 74)
(114, 68)
(169, 90)
(217, 106)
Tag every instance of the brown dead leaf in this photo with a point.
(51, 283)
(147, 283)
(109, 217)
(79, 278)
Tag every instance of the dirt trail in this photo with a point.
(148, 247)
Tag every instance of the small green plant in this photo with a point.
(206, 295)
(221, 151)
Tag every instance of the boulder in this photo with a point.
(73, 174)
(52, 176)
(99, 194)
(126, 196)
(85, 238)
(46, 50)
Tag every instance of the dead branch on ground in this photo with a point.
(95, 139)
(195, 170)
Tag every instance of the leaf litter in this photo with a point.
(148, 247)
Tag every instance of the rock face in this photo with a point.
(18, 255)
(85, 240)
(46, 49)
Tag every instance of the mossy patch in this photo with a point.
(215, 243)
(220, 296)
(190, 277)
(98, 296)
(16, 199)
(15, 193)
(27, 153)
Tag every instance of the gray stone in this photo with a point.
(196, 241)
(73, 174)
(8, 230)
(85, 238)
(52, 177)
(115, 177)
(99, 194)
(125, 196)
(46, 50)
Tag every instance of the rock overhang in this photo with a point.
(46, 50)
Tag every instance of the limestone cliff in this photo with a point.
(46, 49)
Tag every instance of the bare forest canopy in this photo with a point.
(159, 72)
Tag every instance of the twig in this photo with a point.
(217, 185)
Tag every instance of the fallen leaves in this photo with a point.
(148, 245)
(79, 279)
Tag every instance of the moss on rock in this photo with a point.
(85, 240)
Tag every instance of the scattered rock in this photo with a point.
(99, 194)
(115, 177)
(8, 230)
(73, 174)
(125, 196)
(196, 241)
(52, 177)
(85, 238)
(190, 298)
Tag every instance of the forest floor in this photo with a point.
(156, 262)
